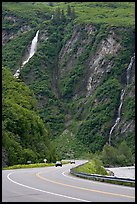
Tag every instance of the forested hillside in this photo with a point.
(25, 137)
(82, 76)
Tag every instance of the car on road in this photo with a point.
(58, 163)
(72, 161)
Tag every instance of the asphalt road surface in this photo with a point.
(56, 184)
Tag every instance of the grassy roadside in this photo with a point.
(92, 167)
(22, 166)
(95, 167)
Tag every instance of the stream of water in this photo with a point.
(121, 98)
(32, 51)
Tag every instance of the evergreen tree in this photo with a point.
(109, 155)
(57, 16)
(125, 154)
(58, 13)
(73, 13)
(69, 10)
(63, 18)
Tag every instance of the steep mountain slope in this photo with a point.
(78, 71)
(24, 136)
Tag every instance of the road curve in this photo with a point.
(56, 184)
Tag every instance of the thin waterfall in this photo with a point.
(32, 51)
(129, 68)
(119, 113)
(121, 98)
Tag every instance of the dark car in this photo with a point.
(58, 163)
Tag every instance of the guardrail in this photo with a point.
(98, 177)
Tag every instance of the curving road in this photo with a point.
(55, 184)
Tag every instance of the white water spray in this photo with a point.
(129, 68)
(119, 113)
(121, 98)
(32, 51)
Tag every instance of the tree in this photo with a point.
(63, 18)
(73, 13)
(29, 155)
(109, 155)
(117, 156)
(58, 13)
(69, 10)
(125, 154)
(24, 135)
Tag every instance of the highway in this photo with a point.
(56, 184)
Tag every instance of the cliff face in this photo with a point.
(103, 58)
(78, 80)
(97, 63)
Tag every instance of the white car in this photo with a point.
(72, 161)
(58, 163)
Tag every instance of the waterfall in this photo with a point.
(129, 68)
(32, 51)
(52, 17)
(119, 113)
(121, 98)
(32, 48)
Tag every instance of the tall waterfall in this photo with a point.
(32, 51)
(121, 98)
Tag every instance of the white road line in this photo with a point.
(8, 176)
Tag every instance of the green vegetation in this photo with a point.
(53, 84)
(120, 155)
(36, 165)
(97, 122)
(13, 51)
(25, 137)
(129, 106)
(92, 167)
(68, 146)
(113, 13)
(71, 81)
